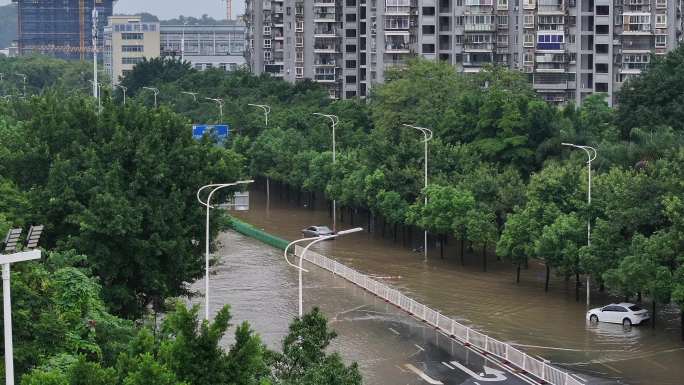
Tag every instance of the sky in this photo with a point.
(167, 9)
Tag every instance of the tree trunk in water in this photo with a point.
(462, 251)
(653, 316)
(341, 214)
(369, 221)
(602, 287)
(330, 213)
(351, 215)
(441, 246)
(484, 257)
(639, 297)
(395, 232)
(299, 198)
(577, 287)
(383, 227)
(517, 274)
(546, 284)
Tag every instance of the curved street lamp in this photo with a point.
(156, 92)
(427, 133)
(266, 108)
(214, 187)
(303, 253)
(220, 103)
(123, 89)
(193, 94)
(334, 120)
(591, 155)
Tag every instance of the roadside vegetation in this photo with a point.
(116, 193)
(501, 182)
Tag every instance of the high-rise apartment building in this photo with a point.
(569, 49)
(63, 28)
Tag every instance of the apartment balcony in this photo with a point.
(398, 10)
(478, 47)
(560, 86)
(325, 63)
(552, 47)
(325, 33)
(398, 48)
(325, 78)
(329, 48)
(328, 17)
(324, 3)
(550, 10)
(480, 27)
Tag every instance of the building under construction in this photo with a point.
(62, 28)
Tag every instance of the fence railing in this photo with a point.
(469, 337)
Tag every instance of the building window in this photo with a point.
(131, 60)
(132, 48)
(428, 48)
(458, 39)
(198, 66)
(660, 41)
(299, 40)
(502, 20)
(502, 4)
(350, 48)
(350, 79)
(350, 64)
(267, 30)
(350, 17)
(429, 11)
(602, 29)
(661, 20)
(131, 36)
(528, 21)
(267, 43)
(299, 56)
(661, 4)
(267, 55)
(528, 40)
(350, 94)
(299, 72)
(351, 3)
(601, 68)
(601, 87)
(459, 20)
(601, 48)
(351, 32)
(299, 26)
(428, 30)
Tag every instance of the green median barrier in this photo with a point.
(258, 234)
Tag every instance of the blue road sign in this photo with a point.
(220, 130)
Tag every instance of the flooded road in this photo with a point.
(551, 325)
(390, 346)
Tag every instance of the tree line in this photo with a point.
(115, 189)
(501, 180)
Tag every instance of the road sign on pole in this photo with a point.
(221, 131)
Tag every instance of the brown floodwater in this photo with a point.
(551, 325)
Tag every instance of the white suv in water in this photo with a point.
(627, 314)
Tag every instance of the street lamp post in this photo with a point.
(97, 87)
(183, 43)
(155, 91)
(427, 133)
(123, 89)
(214, 187)
(11, 242)
(24, 77)
(300, 268)
(334, 120)
(220, 103)
(193, 94)
(266, 108)
(591, 155)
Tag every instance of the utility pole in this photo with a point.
(95, 90)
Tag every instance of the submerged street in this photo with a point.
(389, 346)
(550, 325)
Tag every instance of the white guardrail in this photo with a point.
(469, 337)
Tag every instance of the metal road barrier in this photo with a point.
(469, 337)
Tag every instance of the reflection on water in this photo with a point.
(551, 325)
